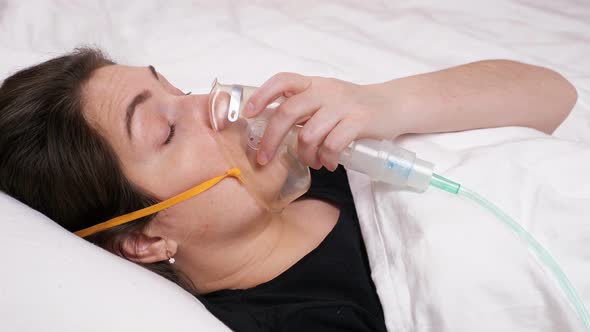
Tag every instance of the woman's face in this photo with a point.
(165, 144)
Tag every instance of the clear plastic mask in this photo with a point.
(280, 181)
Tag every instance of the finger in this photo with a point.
(281, 84)
(290, 112)
(313, 134)
(340, 137)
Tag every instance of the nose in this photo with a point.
(196, 107)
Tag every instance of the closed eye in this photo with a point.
(171, 134)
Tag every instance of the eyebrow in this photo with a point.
(137, 100)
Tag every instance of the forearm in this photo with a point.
(492, 93)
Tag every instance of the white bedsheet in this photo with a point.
(439, 263)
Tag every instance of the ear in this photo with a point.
(142, 248)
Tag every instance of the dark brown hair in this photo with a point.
(54, 161)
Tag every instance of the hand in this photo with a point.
(334, 114)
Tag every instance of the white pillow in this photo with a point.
(51, 280)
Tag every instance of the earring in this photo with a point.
(171, 259)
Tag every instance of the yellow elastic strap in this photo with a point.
(234, 172)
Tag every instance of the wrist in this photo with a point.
(402, 106)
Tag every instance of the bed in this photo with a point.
(439, 262)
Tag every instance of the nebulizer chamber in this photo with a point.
(382, 161)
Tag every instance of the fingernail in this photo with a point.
(249, 109)
(262, 158)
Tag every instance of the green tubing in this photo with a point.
(444, 184)
(541, 253)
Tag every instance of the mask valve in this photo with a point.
(234, 103)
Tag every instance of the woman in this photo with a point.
(84, 140)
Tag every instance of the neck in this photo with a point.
(247, 260)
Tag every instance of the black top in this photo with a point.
(329, 289)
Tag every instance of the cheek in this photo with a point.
(197, 160)
(225, 211)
